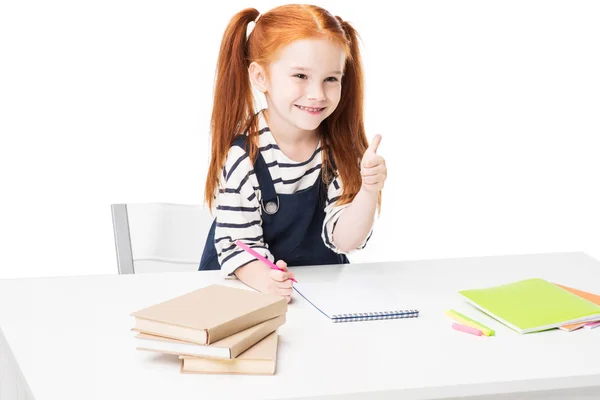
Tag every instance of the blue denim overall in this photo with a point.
(291, 223)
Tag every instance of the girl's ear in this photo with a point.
(258, 76)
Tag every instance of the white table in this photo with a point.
(70, 338)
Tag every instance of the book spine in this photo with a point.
(269, 327)
(246, 321)
(375, 316)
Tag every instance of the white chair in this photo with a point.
(159, 237)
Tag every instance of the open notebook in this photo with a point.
(346, 301)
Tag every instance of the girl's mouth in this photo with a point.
(311, 110)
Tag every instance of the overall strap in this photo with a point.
(270, 200)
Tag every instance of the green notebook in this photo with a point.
(532, 305)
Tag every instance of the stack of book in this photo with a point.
(216, 329)
(535, 305)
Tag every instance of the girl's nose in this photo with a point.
(315, 93)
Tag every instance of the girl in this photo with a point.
(296, 181)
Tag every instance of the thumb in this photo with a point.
(374, 143)
(282, 264)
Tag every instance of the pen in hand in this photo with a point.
(261, 258)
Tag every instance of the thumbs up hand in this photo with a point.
(372, 168)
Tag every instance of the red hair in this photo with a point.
(233, 113)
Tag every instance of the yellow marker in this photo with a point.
(463, 319)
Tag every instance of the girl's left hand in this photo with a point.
(372, 168)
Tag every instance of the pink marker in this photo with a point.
(593, 325)
(261, 258)
(467, 329)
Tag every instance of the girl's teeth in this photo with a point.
(309, 109)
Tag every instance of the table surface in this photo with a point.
(71, 336)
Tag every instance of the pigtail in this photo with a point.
(233, 100)
(345, 127)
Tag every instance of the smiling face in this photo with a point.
(303, 85)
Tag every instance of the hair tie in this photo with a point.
(251, 26)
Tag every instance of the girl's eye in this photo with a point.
(330, 79)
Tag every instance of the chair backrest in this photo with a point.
(156, 237)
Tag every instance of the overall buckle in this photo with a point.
(271, 207)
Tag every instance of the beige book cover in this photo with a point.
(209, 314)
(260, 359)
(227, 348)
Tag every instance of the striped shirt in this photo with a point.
(237, 203)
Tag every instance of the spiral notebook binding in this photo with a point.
(375, 315)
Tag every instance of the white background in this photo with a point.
(489, 113)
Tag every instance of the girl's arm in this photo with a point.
(238, 218)
(356, 220)
(259, 276)
(237, 214)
